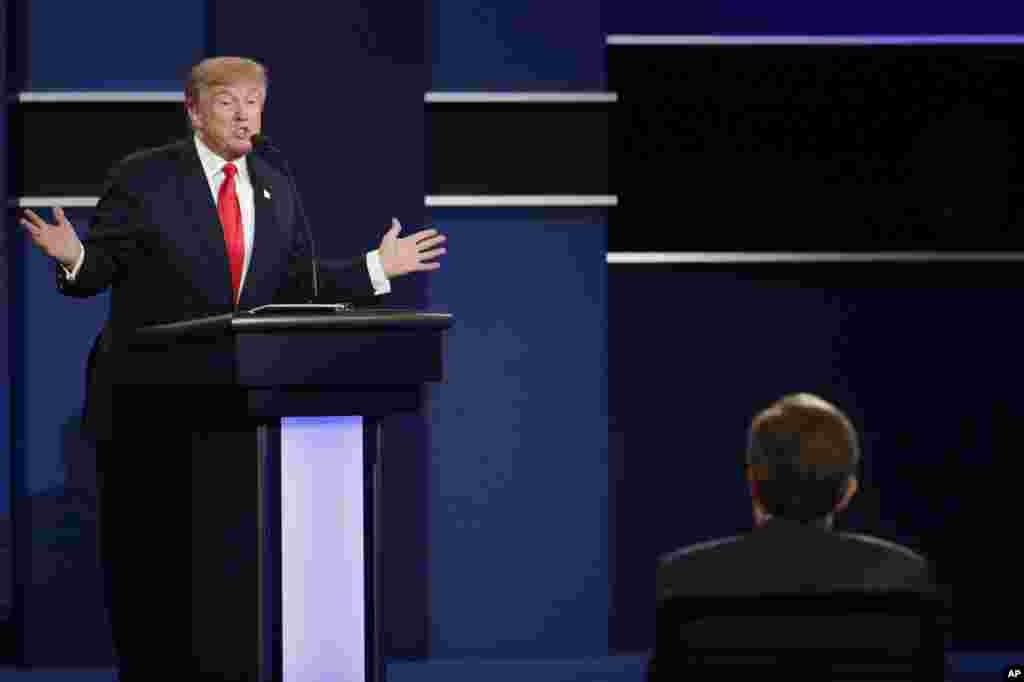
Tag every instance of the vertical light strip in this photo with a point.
(323, 608)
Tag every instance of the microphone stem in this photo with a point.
(316, 276)
(264, 142)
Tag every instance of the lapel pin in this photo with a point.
(266, 193)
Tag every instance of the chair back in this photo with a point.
(838, 634)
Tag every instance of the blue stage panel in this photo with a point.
(525, 45)
(518, 527)
(118, 45)
(55, 466)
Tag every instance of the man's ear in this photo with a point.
(761, 516)
(753, 483)
(190, 109)
(851, 490)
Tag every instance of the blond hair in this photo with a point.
(217, 71)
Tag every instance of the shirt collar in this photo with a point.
(824, 523)
(213, 164)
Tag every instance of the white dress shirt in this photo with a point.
(213, 167)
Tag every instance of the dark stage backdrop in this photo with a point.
(922, 357)
(743, 150)
(346, 106)
(859, 147)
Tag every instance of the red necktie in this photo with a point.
(231, 218)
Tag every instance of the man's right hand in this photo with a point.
(57, 241)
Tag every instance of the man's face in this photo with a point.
(227, 116)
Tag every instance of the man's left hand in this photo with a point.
(400, 256)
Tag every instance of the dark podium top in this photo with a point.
(369, 362)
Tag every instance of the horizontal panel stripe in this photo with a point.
(640, 40)
(514, 200)
(520, 97)
(64, 202)
(702, 258)
(430, 97)
(432, 201)
(98, 97)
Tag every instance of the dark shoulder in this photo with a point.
(155, 159)
(697, 548)
(690, 565)
(263, 168)
(175, 151)
(889, 564)
(885, 547)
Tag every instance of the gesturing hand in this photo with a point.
(409, 254)
(57, 241)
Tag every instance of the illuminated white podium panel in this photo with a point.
(324, 563)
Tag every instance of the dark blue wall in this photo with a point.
(114, 45)
(518, 525)
(55, 467)
(525, 45)
(53, 335)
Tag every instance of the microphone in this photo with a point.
(262, 145)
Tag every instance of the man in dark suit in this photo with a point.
(801, 465)
(197, 228)
(204, 227)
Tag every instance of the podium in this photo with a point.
(273, 425)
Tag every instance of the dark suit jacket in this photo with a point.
(157, 241)
(785, 557)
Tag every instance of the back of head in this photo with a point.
(801, 454)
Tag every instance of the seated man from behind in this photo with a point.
(801, 464)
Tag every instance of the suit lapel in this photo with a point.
(214, 271)
(268, 246)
